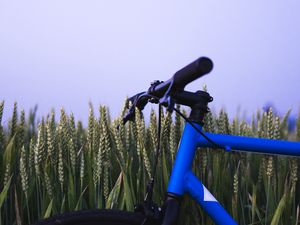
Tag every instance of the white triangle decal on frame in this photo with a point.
(208, 197)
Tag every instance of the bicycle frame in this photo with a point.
(183, 180)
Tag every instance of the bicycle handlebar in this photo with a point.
(186, 75)
(159, 91)
(193, 71)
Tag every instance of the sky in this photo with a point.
(66, 53)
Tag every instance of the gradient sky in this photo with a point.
(69, 52)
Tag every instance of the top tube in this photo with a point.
(250, 144)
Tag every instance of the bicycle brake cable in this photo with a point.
(149, 194)
(148, 203)
(154, 98)
(150, 186)
(149, 207)
(199, 131)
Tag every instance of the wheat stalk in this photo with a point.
(39, 151)
(23, 171)
(1, 111)
(1, 128)
(14, 121)
(141, 148)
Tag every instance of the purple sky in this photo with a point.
(68, 52)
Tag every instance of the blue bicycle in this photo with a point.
(182, 179)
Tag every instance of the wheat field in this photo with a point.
(59, 165)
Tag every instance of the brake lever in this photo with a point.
(139, 101)
(129, 115)
(167, 99)
(168, 102)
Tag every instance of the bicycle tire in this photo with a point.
(98, 217)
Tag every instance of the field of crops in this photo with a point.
(58, 165)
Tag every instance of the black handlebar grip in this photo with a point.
(193, 71)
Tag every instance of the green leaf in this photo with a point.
(91, 192)
(80, 199)
(49, 210)
(62, 207)
(7, 157)
(279, 210)
(3, 193)
(132, 180)
(127, 194)
(113, 197)
(71, 191)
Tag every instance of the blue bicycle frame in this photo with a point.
(183, 180)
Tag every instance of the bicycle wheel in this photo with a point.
(98, 217)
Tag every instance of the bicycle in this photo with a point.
(182, 179)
